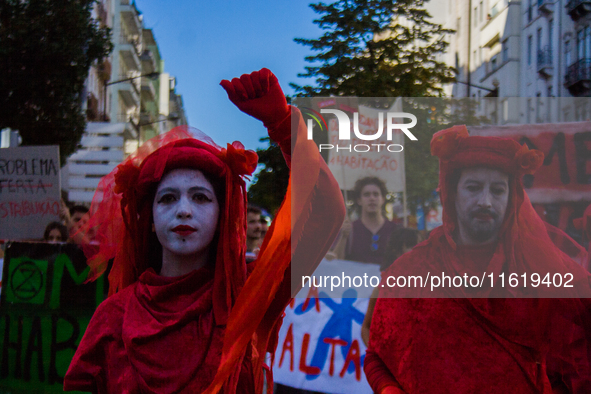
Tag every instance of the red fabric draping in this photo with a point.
(152, 317)
(466, 345)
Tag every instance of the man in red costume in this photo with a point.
(491, 339)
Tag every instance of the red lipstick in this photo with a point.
(184, 230)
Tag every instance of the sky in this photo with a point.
(203, 42)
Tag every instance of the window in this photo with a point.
(539, 44)
(481, 11)
(550, 32)
(505, 51)
(474, 58)
(494, 64)
(538, 107)
(494, 10)
(459, 23)
(587, 42)
(567, 53)
(581, 44)
(528, 112)
(475, 16)
(530, 7)
(529, 49)
(549, 91)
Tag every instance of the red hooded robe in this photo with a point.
(461, 344)
(210, 329)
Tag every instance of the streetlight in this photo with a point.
(172, 118)
(152, 75)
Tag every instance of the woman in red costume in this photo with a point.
(185, 312)
(508, 340)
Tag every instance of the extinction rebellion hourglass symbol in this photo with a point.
(26, 281)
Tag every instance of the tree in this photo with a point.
(376, 48)
(46, 50)
(270, 184)
(385, 49)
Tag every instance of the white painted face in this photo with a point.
(185, 212)
(481, 203)
(371, 199)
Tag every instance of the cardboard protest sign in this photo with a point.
(29, 191)
(357, 159)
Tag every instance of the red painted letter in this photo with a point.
(333, 342)
(307, 369)
(354, 357)
(288, 346)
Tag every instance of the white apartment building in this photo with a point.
(128, 100)
(534, 55)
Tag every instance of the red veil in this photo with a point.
(524, 320)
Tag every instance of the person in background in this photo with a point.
(64, 214)
(253, 228)
(265, 220)
(55, 232)
(365, 239)
(401, 241)
(77, 213)
(79, 218)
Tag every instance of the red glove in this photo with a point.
(259, 95)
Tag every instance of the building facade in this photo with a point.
(128, 100)
(534, 56)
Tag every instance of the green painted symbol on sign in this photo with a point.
(26, 281)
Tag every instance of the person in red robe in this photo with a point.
(486, 339)
(185, 312)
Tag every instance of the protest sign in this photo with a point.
(320, 346)
(356, 158)
(29, 191)
(44, 311)
(566, 172)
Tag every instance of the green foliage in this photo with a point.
(376, 48)
(46, 50)
(385, 49)
(270, 183)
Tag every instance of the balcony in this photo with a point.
(145, 118)
(131, 18)
(148, 62)
(129, 53)
(544, 63)
(545, 7)
(129, 92)
(148, 91)
(578, 8)
(578, 77)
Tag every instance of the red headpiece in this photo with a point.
(122, 210)
(456, 150)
